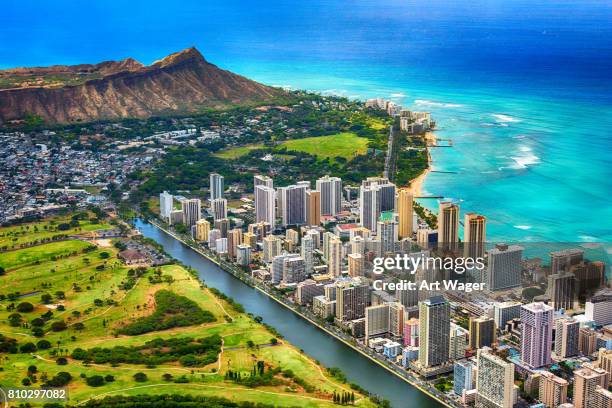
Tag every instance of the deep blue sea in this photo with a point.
(522, 87)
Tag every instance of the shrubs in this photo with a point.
(171, 311)
(61, 361)
(25, 307)
(95, 381)
(43, 344)
(190, 352)
(61, 379)
(27, 348)
(58, 326)
(140, 377)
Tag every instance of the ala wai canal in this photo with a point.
(315, 342)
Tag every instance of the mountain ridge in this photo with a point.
(180, 82)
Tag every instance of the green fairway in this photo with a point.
(237, 152)
(346, 145)
(96, 296)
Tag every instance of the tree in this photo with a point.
(28, 348)
(2, 271)
(140, 377)
(58, 326)
(95, 381)
(25, 307)
(46, 298)
(109, 378)
(61, 361)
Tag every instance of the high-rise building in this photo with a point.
(260, 180)
(223, 225)
(277, 268)
(313, 207)
(265, 201)
(387, 232)
(331, 195)
(386, 190)
(234, 238)
(192, 211)
(221, 246)
(586, 381)
(503, 312)
(457, 343)
(272, 247)
(448, 226)
(504, 267)
(590, 277)
(166, 205)
(369, 207)
(564, 259)
(474, 235)
(604, 361)
(599, 308)
(536, 334)
(411, 332)
(566, 337)
(355, 265)
(243, 254)
(562, 290)
(376, 320)
(307, 252)
(464, 376)
(293, 269)
(201, 230)
(334, 257)
(407, 297)
(293, 204)
(434, 331)
(250, 239)
(307, 290)
(494, 381)
(216, 186)
(260, 230)
(396, 320)
(213, 236)
(405, 213)
(352, 297)
(292, 238)
(602, 398)
(587, 341)
(219, 208)
(552, 389)
(482, 332)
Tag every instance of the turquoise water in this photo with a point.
(523, 88)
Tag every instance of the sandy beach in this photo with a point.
(416, 184)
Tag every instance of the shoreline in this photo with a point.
(409, 381)
(416, 184)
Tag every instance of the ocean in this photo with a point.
(522, 88)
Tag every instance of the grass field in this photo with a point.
(12, 237)
(237, 152)
(346, 145)
(95, 297)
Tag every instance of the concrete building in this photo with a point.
(216, 186)
(307, 290)
(234, 238)
(552, 389)
(474, 235)
(202, 228)
(405, 213)
(293, 203)
(166, 205)
(494, 381)
(448, 226)
(464, 376)
(330, 189)
(562, 290)
(482, 332)
(219, 208)
(587, 341)
(352, 298)
(355, 265)
(192, 211)
(536, 334)
(265, 202)
(586, 381)
(272, 247)
(388, 234)
(566, 337)
(503, 312)
(564, 259)
(261, 180)
(243, 254)
(504, 267)
(369, 207)
(599, 308)
(411, 332)
(458, 342)
(313, 207)
(307, 252)
(434, 331)
(293, 269)
(334, 258)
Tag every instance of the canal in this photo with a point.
(315, 342)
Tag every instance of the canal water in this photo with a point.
(315, 342)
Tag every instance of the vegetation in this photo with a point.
(188, 351)
(346, 145)
(171, 311)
